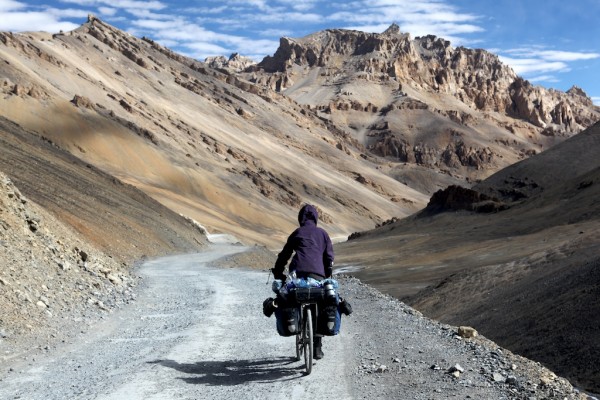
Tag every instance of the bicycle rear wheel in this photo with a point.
(299, 346)
(307, 339)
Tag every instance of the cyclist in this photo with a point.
(313, 256)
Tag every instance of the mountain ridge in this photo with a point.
(455, 111)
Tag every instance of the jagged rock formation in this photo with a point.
(235, 62)
(457, 110)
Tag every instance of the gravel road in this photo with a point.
(198, 332)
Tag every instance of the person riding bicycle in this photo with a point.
(313, 256)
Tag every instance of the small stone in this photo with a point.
(381, 368)
(512, 380)
(115, 280)
(41, 305)
(546, 380)
(497, 377)
(467, 332)
(64, 265)
(456, 370)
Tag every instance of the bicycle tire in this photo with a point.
(299, 346)
(307, 338)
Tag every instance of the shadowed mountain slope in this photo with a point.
(525, 276)
(117, 218)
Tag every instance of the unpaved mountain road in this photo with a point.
(193, 333)
(197, 332)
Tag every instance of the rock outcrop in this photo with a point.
(424, 101)
(474, 76)
(235, 62)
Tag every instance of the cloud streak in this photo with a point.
(539, 64)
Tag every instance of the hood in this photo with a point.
(308, 213)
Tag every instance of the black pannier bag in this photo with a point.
(287, 319)
(330, 321)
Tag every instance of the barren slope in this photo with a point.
(523, 276)
(215, 148)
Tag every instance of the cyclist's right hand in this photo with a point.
(278, 274)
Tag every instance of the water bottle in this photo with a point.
(330, 293)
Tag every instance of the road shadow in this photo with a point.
(237, 372)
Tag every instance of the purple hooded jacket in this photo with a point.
(314, 251)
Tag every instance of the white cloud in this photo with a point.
(300, 5)
(288, 16)
(275, 33)
(67, 13)
(566, 55)
(544, 78)
(201, 50)
(108, 11)
(536, 62)
(524, 66)
(10, 5)
(33, 21)
(128, 4)
(551, 55)
(596, 100)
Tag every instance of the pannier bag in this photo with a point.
(287, 320)
(330, 321)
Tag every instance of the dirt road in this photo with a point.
(194, 333)
(198, 332)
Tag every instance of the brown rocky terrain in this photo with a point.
(516, 257)
(235, 156)
(452, 114)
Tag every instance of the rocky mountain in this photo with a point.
(235, 62)
(458, 112)
(515, 256)
(235, 156)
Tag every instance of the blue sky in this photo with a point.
(553, 43)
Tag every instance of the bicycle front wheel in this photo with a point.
(307, 339)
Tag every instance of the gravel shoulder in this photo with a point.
(197, 331)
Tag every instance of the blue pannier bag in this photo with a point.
(287, 320)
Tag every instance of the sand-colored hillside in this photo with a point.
(228, 154)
